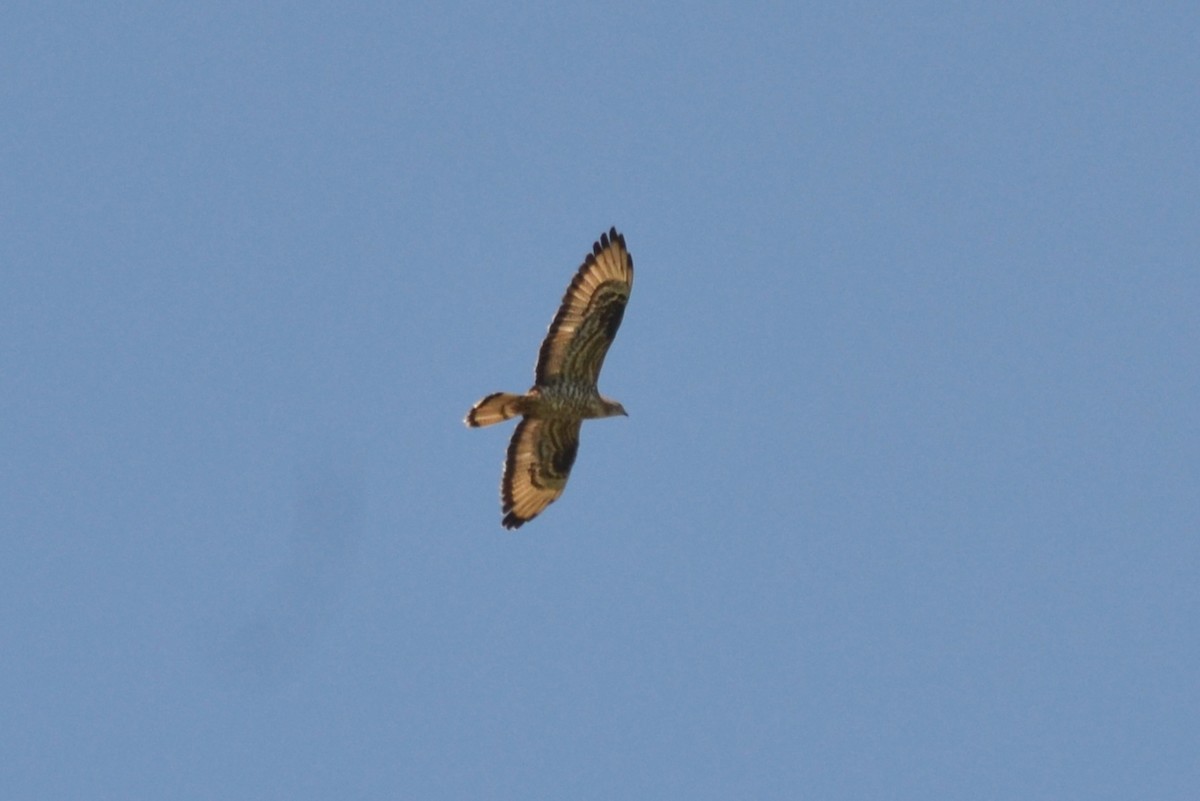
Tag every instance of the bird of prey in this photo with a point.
(564, 391)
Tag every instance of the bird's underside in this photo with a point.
(564, 394)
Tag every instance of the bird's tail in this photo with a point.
(495, 408)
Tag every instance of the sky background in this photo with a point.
(906, 504)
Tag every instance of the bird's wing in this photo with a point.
(539, 461)
(590, 314)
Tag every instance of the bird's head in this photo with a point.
(613, 409)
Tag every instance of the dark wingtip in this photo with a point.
(607, 239)
(512, 522)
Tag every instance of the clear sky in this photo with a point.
(907, 502)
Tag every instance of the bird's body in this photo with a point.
(564, 393)
(569, 400)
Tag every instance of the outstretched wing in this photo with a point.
(589, 316)
(539, 461)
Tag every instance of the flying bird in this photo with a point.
(564, 392)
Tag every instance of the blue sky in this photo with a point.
(906, 504)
